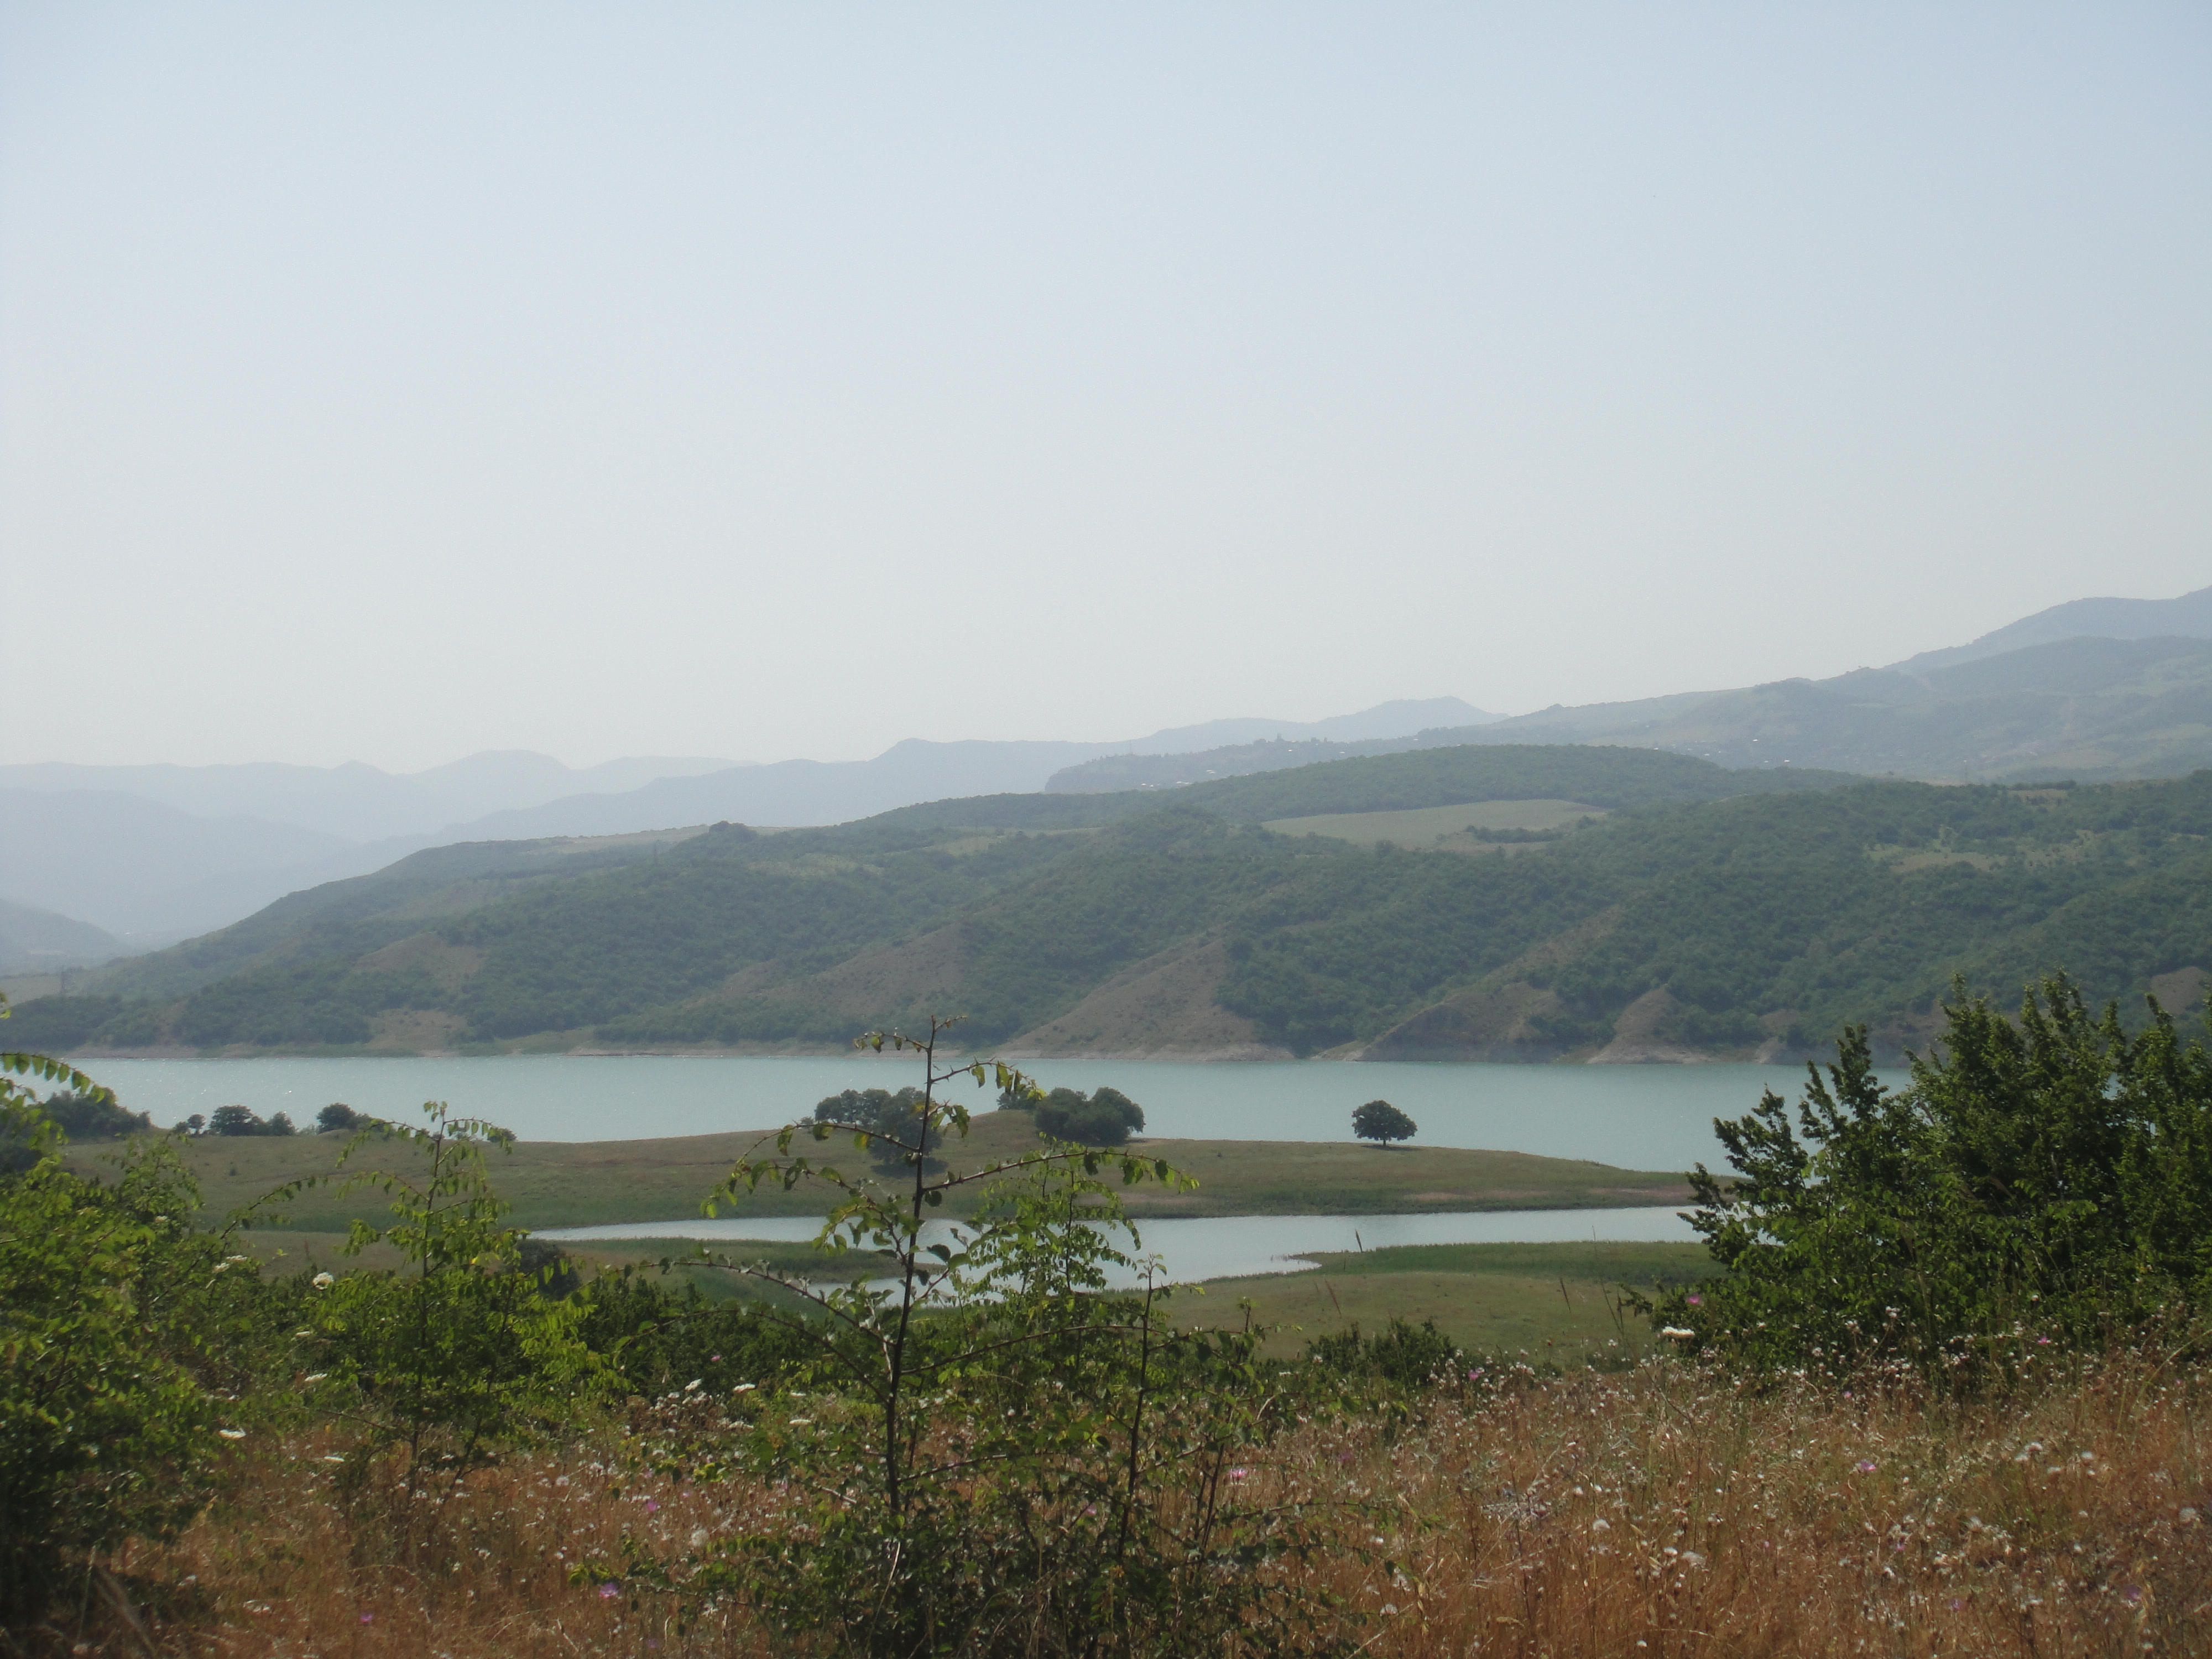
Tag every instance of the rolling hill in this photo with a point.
(1710, 913)
(2086, 709)
(2093, 690)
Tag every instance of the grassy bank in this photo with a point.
(1556, 1301)
(604, 1182)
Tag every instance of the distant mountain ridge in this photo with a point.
(2084, 708)
(177, 853)
(2095, 690)
(357, 802)
(39, 940)
(2187, 617)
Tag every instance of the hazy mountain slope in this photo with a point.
(132, 866)
(194, 862)
(355, 802)
(1111, 774)
(1397, 718)
(2087, 707)
(2189, 616)
(350, 917)
(32, 938)
(799, 792)
(810, 793)
(1600, 774)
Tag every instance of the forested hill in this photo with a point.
(1412, 927)
(1598, 775)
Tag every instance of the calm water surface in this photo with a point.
(1643, 1117)
(1236, 1246)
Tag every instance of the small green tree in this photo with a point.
(459, 1355)
(1380, 1122)
(996, 1452)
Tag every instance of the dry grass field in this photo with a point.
(1665, 1509)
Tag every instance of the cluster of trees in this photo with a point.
(78, 1114)
(334, 1118)
(895, 1121)
(238, 1120)
(1106, 1117)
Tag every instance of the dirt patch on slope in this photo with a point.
(2181, 991)
(1160, 1008)
(1496, 1018)
(889, 982)
(1636, 1039)
(447, 965)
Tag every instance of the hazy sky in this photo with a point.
(389, 382)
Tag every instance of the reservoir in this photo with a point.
(1640, 1117)
(1193, 1248)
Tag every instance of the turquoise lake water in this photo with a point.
(1643, 1117)
(1193, 1248)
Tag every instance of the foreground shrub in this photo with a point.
(126, 1340)
(654, 1338)
(1403, 1355)
(459, 1355)
(995, 1451)
(2044, 1179)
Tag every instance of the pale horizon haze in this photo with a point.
(393, 382)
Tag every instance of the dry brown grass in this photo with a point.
(1666, 1510)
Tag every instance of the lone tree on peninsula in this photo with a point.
(1380, 1122)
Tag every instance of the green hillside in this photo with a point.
(1691, 922)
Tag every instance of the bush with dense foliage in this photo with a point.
(459, 1355)
(93, 1114)
(129, 1346)
(2050, 1173)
